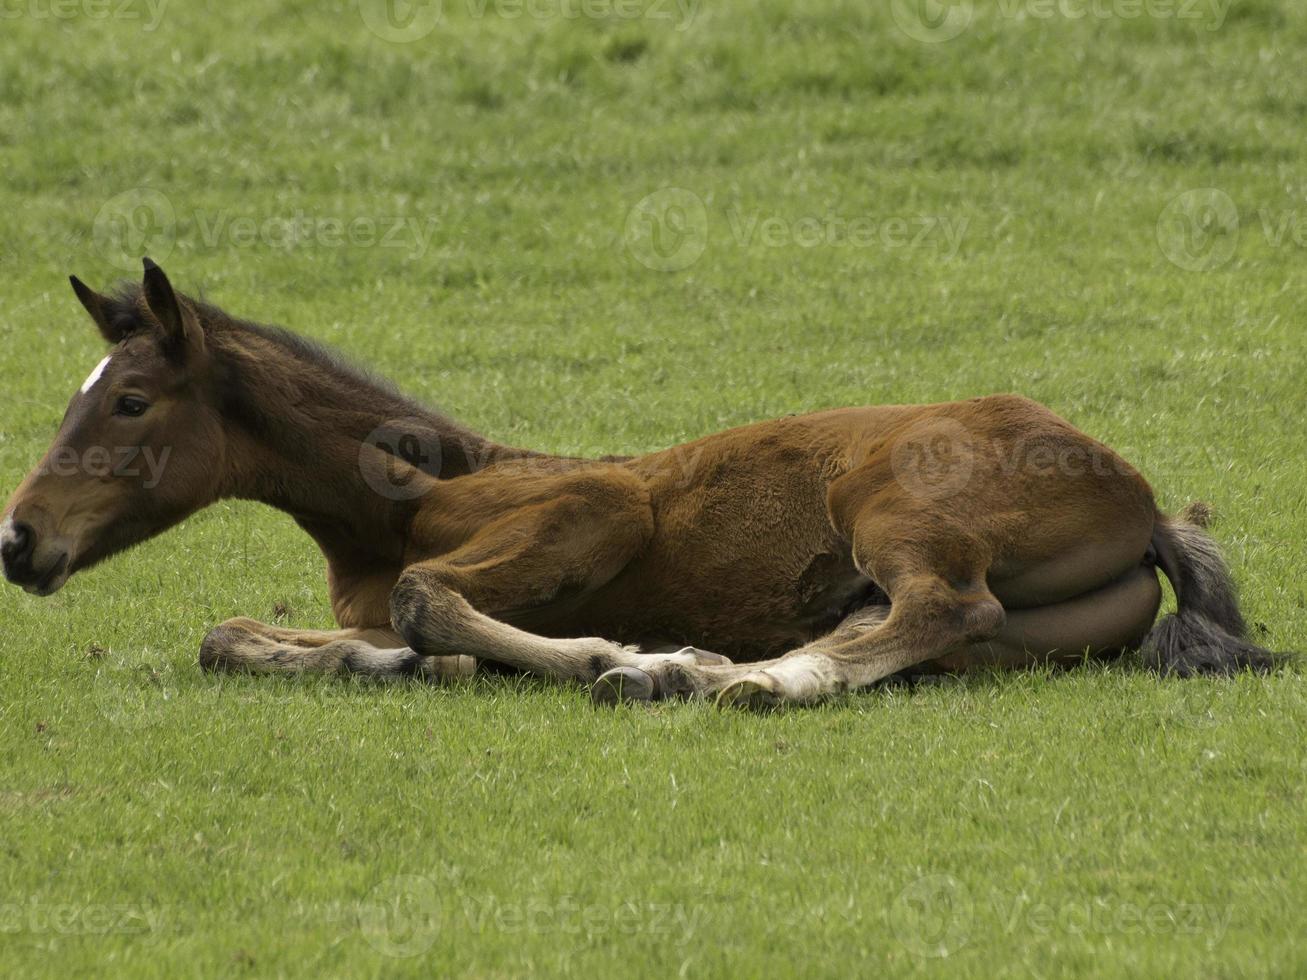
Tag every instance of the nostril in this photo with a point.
(17, 543)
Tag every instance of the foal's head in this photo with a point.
(141, 445)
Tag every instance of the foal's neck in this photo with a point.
(333, 447)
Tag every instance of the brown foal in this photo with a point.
(819, 553)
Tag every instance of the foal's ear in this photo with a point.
(97, 306)
(181, 334)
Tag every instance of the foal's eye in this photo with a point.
(131, 406)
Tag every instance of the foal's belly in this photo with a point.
(750, 610)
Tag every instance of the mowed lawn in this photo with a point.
(1104, 212)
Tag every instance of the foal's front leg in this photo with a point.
(443, 609)
(249, 646)
(570, 546)
(431, 614)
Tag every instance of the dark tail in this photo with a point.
(1206, 634)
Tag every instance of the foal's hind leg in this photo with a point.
(928, 616)
(932, 569)
(1102, 622)
(254, 647)
(1107, 620)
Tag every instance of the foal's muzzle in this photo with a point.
(18, 552)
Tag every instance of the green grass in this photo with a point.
(156, 821)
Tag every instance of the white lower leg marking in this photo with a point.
(89, 383)
(685, 656)
(802, 678)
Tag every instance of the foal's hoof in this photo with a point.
(623, 684)
(758, 692)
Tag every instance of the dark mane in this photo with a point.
(127, 308)
(313, 352)
(260, 362)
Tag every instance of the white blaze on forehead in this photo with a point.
(89, 383)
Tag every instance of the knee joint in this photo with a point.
(419, 607)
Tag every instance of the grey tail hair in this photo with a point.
(1207, 633)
